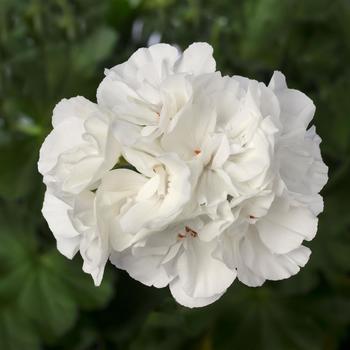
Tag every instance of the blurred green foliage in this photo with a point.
(50, 49)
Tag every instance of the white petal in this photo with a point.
(214, 228)
(72, 108)
(267, 264)
(172, 194)
(55, 211)
(114, 197)
(184, 299)
(200, 274)
(141, 75)
(142, 161)
(146, 268)
(191, 131)
(139, 215)
(301, 166)
(94, 246)
(80, 148)
(176, 92)
(126, 133)
(212, 188)
(300, 255)
(248, 277)
(221, 154)
(230, 250)
(127, 103)
(64, 137)
(179, 187)
(122, 180)
(68, 246)
(284, 230)
(197, 59)
(278, 81)
(156, 62)
(148, 189)
(297, 110)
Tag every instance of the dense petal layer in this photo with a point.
(80, 148)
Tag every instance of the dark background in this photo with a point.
(59, 48)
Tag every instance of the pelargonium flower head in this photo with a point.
(184, 177)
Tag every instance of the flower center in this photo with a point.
(188, 232)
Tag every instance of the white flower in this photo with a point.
(269, 246)
(134, 202)
(79, 149)
(222, 175)
(180, 258)
(148, 91)
(73, 158)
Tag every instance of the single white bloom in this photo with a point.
(79, 149)
(270, 247)
(151, 199)
(148, 92)
(178, 257)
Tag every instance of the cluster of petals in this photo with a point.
(184, 177)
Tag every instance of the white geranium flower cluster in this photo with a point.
(184, 177)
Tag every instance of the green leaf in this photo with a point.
(47, 288)
(80, 284)
(265, 19)
(334, 101)
(16, 331)
(46, 301)
(262, 319)
(93, 50)
(18, 168)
